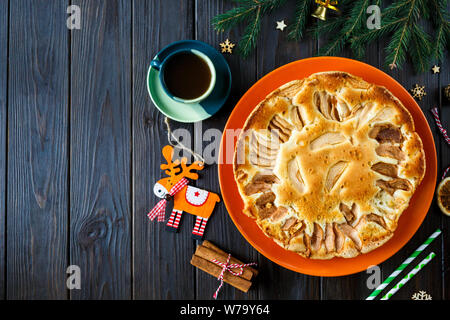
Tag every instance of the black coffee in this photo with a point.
(187, 76)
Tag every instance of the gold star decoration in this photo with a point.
(421, 295)
(436, 69)
(281, 25)
(418, 92)
(227, 46)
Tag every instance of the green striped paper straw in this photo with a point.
(403, 265)
(409, 276)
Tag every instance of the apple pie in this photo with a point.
(326, 165)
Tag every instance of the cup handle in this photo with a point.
(155, 64)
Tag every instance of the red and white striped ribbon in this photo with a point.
(160, 209)
(444, 133)
(435, 113)
(227, 267)
(445, 173)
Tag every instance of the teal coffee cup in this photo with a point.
(186, 75)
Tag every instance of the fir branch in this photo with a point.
(248, 11)
(396, 8)
(302, 12)
(440, 42)
(421, 48)
(333, 47)
(396, 50)
(352, 25)
(248, 41)
(327, 27)
(401, 22)
(375, 34)
(231, 18)
(358, 17)
(441, 21)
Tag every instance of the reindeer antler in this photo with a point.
(186, 170)
(171, 171)
(170, 167)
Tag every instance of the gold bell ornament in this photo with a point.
(323, 5)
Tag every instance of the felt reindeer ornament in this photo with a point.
(186, 198)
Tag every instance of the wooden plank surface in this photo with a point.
(100, 135)
(161, 268)
(444, 106)
(3, 129)
(80, 144)
(37, 153)
(443, 163)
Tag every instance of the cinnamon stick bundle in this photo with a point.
(207, 251)
(222, 253)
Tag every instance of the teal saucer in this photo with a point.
(191, 112)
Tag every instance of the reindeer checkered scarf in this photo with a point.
(160, 209)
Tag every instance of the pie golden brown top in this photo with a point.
(326, 165)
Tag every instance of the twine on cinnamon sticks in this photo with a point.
(223, 266)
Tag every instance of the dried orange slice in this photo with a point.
(443, 196)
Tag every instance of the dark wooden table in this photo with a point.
(80, 149)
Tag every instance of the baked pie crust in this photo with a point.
(326, 165)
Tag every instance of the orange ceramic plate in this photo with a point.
(410, 220)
